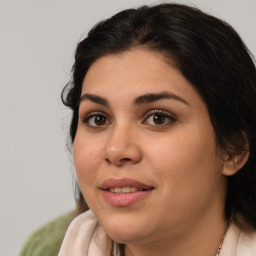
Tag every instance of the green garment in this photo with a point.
(47, 240)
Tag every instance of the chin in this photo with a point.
(127, 236)
(125, 229)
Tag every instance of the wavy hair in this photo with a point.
(210, 55)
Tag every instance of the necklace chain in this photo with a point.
(223, 237)
(220, 246)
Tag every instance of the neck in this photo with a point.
(201, 239)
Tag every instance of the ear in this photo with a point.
(233, 164)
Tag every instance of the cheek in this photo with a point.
(185, 159)
(178, 151)
(86, 159)
(187, 170)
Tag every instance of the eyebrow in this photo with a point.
(152, 97)
(94, 98)
(143, 99)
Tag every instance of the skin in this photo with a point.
(184, 214)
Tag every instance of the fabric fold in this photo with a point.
(85, 237)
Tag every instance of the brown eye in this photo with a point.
(96, 120)
(159, 118)
(99, 120)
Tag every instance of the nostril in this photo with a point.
(118, 161)
(125, 160)
(108, 161)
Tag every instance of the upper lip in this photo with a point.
(123, 182)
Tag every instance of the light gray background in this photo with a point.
(37, 41)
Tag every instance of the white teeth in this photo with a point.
(123, 190)
(126, 190)
(133, 189)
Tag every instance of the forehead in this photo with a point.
(133, 73)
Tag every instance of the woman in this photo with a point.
(163, 133)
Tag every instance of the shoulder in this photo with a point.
(47, 240)
(239, 242)
(246, 244)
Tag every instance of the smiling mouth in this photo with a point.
(124, 190)
(125, 196)
(124, 185)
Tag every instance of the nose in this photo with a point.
(121, 147)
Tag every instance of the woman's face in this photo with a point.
(145, 151)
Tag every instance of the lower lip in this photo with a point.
(125, 199)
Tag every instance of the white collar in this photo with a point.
(85, 237)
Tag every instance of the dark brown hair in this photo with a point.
(212, 57)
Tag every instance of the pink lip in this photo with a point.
(123, 182)
(124, 199)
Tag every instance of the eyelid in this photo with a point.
(85, 118)
(160, 111)
(164, 113)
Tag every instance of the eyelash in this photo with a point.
(88, 117)
(162, 113)
(152, 113)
